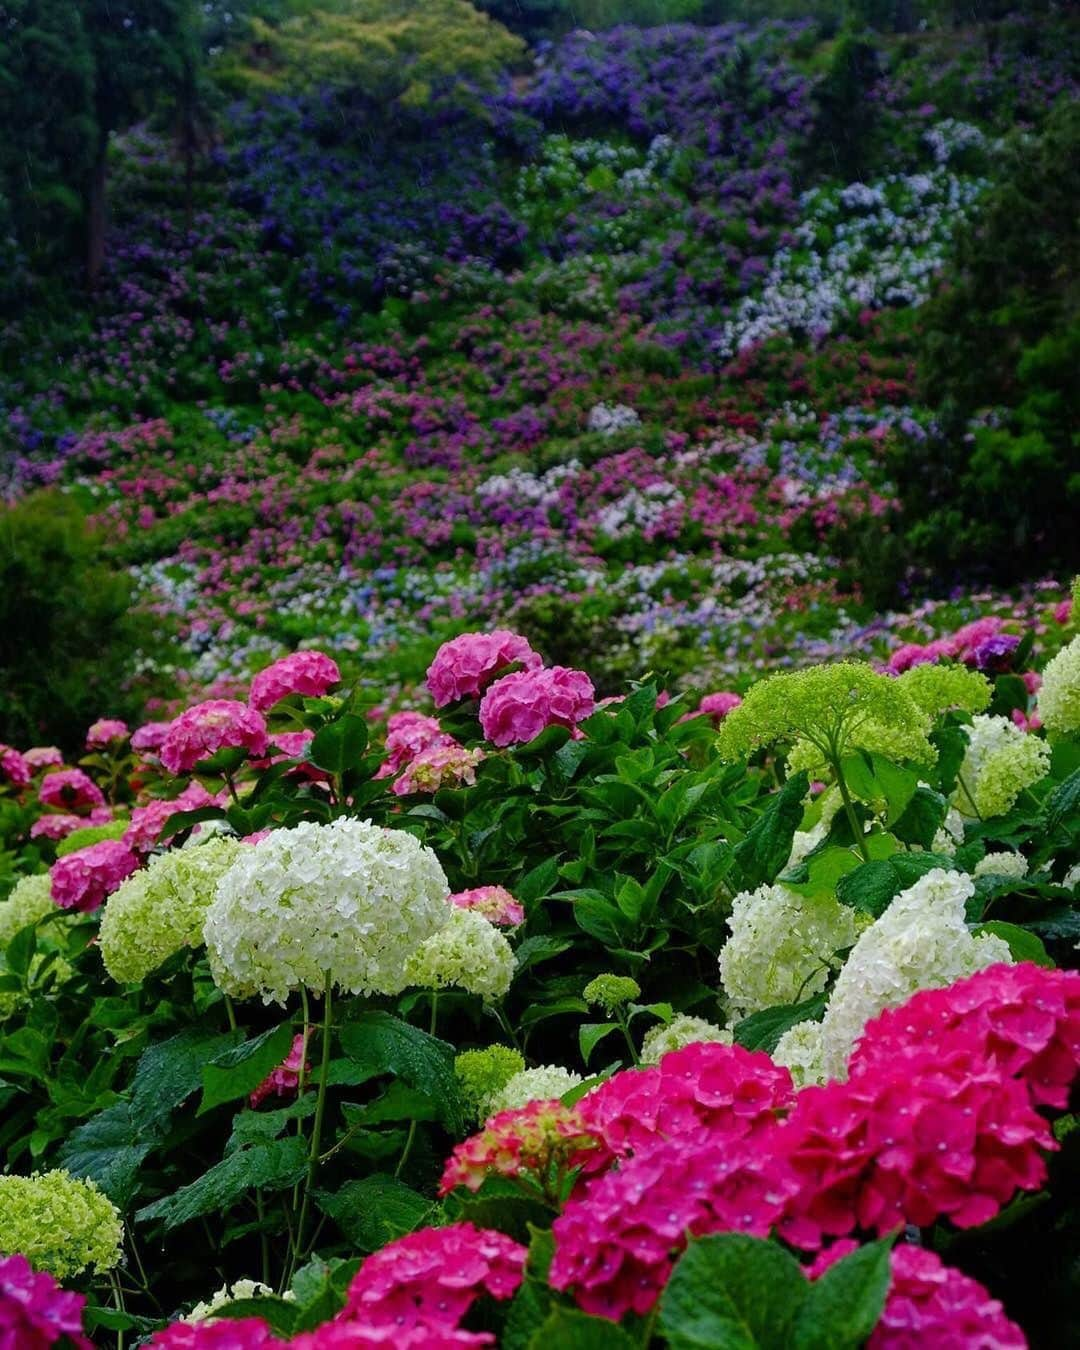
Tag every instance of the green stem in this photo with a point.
(505, 1023)
(628, 1039)
(411, 1136)
(967, 794)
(264, 1239)
(118, 1299)
(230, 1012)
(231, 786)
(849, 808)
(320, 1111)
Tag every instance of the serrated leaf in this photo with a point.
(844, 1304)
(281, 1314)
(108, 1150)
(340, 745)
(270, 1167)
(570, 1329)
(762, 1030)
(1064, 802)
(374, 1211)
(534, 885)
(259, 1127)
(377, 1040)
(922, 818)
(1023, 945)
(240, 1069)
(767, 846)
(870, 888)
(169, 1073)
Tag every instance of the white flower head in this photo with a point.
(468, 952)
(532, 1085)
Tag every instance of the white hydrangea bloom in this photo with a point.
(1000, 762)
(227, 1294)
(532, 1085)
(682, 1030)
(468, 952)
(1059, 694)
(348, 899)
(781, 948)
(920, 942)
(1006, 864)
(951, 833)
(1071, 877)
(804, 841)
(800, 1050)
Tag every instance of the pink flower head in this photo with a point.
(148, 738)
(931, 1304)
(730, 1092)
(936, 1132)
(56, 827)
(85, 878)
(963, 644)
(147, 822)
(218, 724)
(717, 706)
(433, 1277)
(222, 1333)
(14, 767)
(285, 1079)
(518, 707)
(534, 1138)
(1062, 611)
(466, 665)
(909, 655)
(616, 1242)
(34, 1311)
(307, 673)
(106, 731)
(409, 734)
(495, 903)
(43, 757)
(439, 766)
(1021, 1018)
(70, 790)
(419, 1336)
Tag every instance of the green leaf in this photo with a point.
(819, 874)
(374, 1211)
(570, 1329)
(1025, 946)
(377, 1040)
(281, 1314)
(237, 1071)
(733, 1292)
(259, 1127)
(870, 888)
(590, 1034)
(168, 1073)
(108, 1150)
(1064, 802)
(922, 817)
(540, 948)
(844, 1305)
(398, 1102)
(762, 1030)
(269, 1166)
(534, 885)
(340, 745)
(767, 846)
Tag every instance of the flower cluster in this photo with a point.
(1001, 760)
(348, 900)
(535, 1139)
(84, 879)
(610, 992)
(106, 732)
(308, 673)
(147, 822)
(467, 951)
(409, 734)
(681, 1031)
(437, 766)
(545, 1083)
(160, 909)
(481, 1073)
(14, 767)
(234, 1333)
(70, 790)
(34, 1311)
(1059, 695)
(60, 1225)
(30, 901)
(466, 665)
(518, 707)
(495, 903)
(218, 724)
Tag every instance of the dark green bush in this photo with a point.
(70, 643)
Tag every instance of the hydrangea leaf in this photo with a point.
(240, 1069)
(845, 1303)
(269, 1166)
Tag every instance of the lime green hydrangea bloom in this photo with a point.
(836, 709)
(1059, 695)
(482, 1073)
(91, 834)
(1001, 761)
(936, 689)
(469, 953)
(60, 1224)
(800, 1050)
(682, 1030)
(29, 903)
(610, 992)
(161, 909)
(532, 1085)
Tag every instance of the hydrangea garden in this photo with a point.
(539, 675)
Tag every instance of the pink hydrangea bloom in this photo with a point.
(518, 707)
(233, 1333)
(148, 738)
(466, 665)
(14, 768)
(1062, 611)
(70, 790)
(105, 731)
(34, 1311)
(419, 1336)
(932, 1304)
(731, 1092)
(307, 673)
(963, 644)
(438, 766)
(57, 826)
(409, 734)
(218, 724)
(148, 821)
(912, 654)
(717, 706)
(531, 1138)
(1021, 1018)
(85, 878)
(935, 1132)
(495, 903)
(285, 1079)
(44, 757)
(433, 1277)
(615, 1242)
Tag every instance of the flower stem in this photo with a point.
(634, 1060)
(300, 1250)
(849, 808)
(411, 1136)
(231, 1013)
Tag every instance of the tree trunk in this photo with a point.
(95, 222)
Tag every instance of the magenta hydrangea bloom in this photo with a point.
(419, 1336)
(285, 1079)
(56, 826)
(436, 767)
(232, 1333)
(495, 903)
(84, 879)
(616, 1242)
(519, 707)
(70, 790)
(14, 768)
(34, 1311)
(218, 724)
(432, 1277)
(409, 734)
(307, 673)
(44, 757)
(466, 665)
(148, 821)
(148, 738)
(106, 731)
(717, 706)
